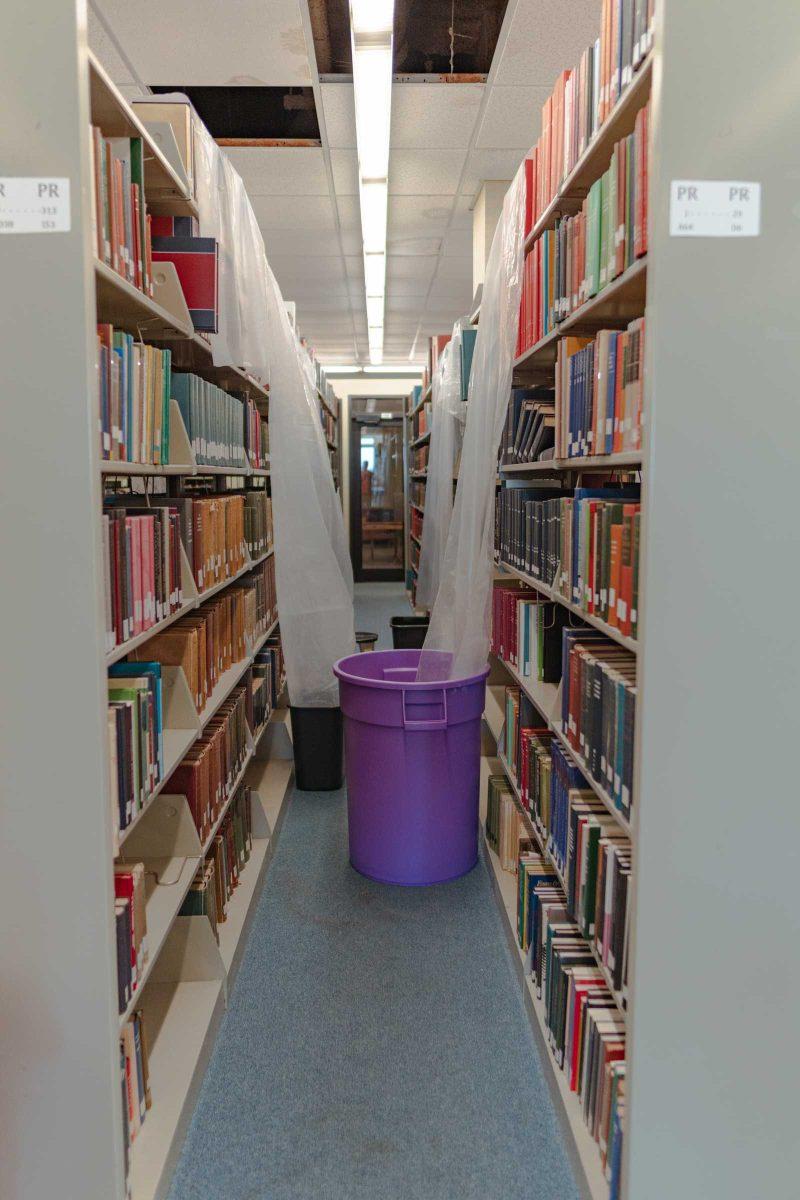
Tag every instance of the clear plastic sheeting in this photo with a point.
(457, 643)
(446, 431)
(313, 575)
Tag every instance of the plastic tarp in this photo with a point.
(458, 638)
(446, 432)
(313, 575)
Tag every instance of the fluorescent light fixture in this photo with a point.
(375, 274)
(392, 369)
(375, 310)
(374, 195)
(342, 368)
(372, 84)
(387, 416)
(371, 30)
(372, 16)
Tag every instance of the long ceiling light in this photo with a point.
(371, 26)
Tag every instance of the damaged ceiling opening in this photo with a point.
(254, 114)
(422, 40)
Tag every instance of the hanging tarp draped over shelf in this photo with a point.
(446, 428)
(457, 643)
(313, 575)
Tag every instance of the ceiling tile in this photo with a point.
(324, 270)
(412, 217)
(203, 42)
(422, 172)
(339, 114)
(300, 242)
(295, 213)
(512, 118)
(344, 165)
(417, 247)
(546, 37)
(435, 115)
(280, 171)
(490, 164)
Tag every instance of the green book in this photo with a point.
(603, 269)
(593, 239)
(611, 231)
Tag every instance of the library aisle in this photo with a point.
(375, 1045)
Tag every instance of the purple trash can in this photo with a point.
(412, 760)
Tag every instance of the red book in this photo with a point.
(196, 261)
(529, 185)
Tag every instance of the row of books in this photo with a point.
(328, 424)
(211, 639)
(529, 432)
(584, 97)
(210, 769)
(585, 1029)
(567, 265)
(526, 630)
(416, 523)
(421, 420)
(134, 387)
(131, 926)
(218, 875)
(134, 1080)
(142, 560)
(419, 458)
(256, 435)
(505, 826)
(215, 421)
(599, 392)
(258, 522)
(416, 492)
(584, 546)
(598, 712)
(269, 677)
(135, 736)
(218, 542)
(120, 220)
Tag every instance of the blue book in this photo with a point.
(611, 391)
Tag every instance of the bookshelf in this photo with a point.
(690, 791)
(66, 1072)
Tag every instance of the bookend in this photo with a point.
(167, 292)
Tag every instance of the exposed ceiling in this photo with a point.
(446, 139)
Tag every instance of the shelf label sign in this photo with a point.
(714, 208)
(34, 205)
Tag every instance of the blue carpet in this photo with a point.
(375, 1047)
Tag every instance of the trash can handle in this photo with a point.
(435, 722)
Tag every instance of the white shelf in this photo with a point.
(567, 1102)
(177, 743)
(125, 307)
(125, 647)
(185, 1017)
(163, 905)
(614, 634)
(552, 466)
(164, 191)
(422, 440)
(223, 583)
(116, 467)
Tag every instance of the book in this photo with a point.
(208, 772)
(196, 262)
(132, 947)
(258, 522)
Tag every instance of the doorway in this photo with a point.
(377, 502)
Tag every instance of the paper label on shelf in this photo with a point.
(714, 208)
(34, 205)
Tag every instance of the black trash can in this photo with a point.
(318, 748)
(408, 633)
